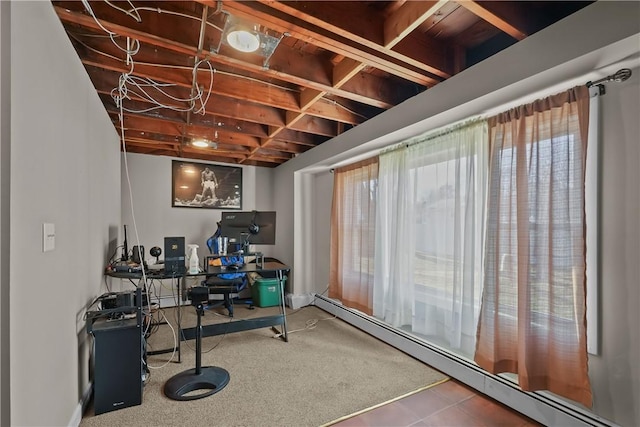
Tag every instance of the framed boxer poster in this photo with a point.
(201, 185)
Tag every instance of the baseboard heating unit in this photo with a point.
(540, 406)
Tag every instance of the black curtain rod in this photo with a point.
(619, 76)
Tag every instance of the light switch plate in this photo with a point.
(48, 237)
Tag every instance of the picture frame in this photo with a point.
(205, 186)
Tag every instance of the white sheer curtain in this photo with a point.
(429, 236)
(395, 240)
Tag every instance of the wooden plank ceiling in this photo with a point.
(168, 78)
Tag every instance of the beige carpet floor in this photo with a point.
(327, 370)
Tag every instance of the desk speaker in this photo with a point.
(137, 255)
(174, 256)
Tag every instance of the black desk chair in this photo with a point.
(227, 287)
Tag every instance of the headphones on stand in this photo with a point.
(253, 227)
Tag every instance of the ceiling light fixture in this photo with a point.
(243, 39)
(248, 37)
(204, 143)
(200, 143)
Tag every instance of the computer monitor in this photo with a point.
(249, 228)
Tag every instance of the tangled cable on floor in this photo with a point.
(309, 324)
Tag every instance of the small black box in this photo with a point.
(174, 256)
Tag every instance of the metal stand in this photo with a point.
(211, 379)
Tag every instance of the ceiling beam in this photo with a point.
(210, 125)
(313, 104)
(343, 71)
(361, 32)
(229, 86)
(406, 19)
(503, 24)
(307, 32)
(177, 129)
(307, 71)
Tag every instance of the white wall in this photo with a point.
(155, 218)
(65, 169)
(580, 48)
(323, 191)
(5, 170)
(615, 374)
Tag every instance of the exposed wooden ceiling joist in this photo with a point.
(335, 65)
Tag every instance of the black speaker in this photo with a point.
(174, 256)
(117, 358)
(137, 256)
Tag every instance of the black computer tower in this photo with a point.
(117, 370)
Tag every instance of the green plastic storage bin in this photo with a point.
(265, 292)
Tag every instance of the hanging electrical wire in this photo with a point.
(132, 12)
(77, 36)
(139, 87)
(136, 9)
(344, 107)
(146, 88)
(132, 46)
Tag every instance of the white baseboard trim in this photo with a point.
(540, 406)
(76, 418)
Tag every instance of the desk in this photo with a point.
(231, 325)
(246, 324)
